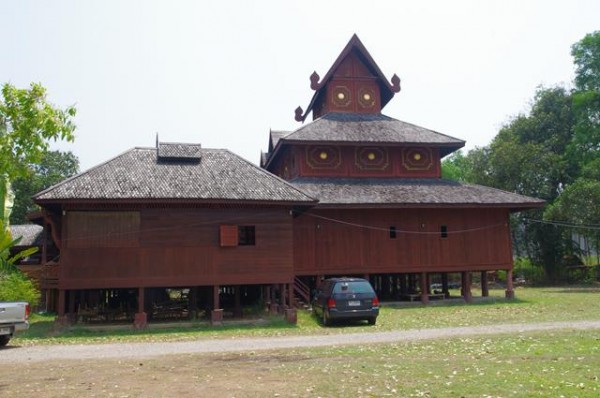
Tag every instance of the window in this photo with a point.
(444, 231)
(392, 232)
(246, 235)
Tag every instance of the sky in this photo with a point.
(222, 73)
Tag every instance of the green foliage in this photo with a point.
(27, 123)
(54, 167)
(586, 98)
(533, 274)
(15, 286)
(579, 204)
(586, 56)
(457, 167)
(528, 157)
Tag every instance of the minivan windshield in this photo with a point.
(352, 287)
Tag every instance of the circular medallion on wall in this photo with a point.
(323, 157)
(366, 97)
(371, 158)
(341, 96)
(417, 158)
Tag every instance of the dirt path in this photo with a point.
(15, 354)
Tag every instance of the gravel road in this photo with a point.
(13, 354)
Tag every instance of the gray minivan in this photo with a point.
(345, 299)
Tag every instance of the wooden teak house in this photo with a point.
(178, 229)
(384, 211)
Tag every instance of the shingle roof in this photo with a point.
(171, 150)
(409, 191)
(136, 174)
(30, 234)
(368, 128)
(275, 136)
(364, 129)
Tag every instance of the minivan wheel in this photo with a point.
(372, 321)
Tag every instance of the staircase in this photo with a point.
(301, 294)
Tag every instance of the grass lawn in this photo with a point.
(531, 305)
(551, 364)
(561, 363)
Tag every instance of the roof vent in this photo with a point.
(168, 151)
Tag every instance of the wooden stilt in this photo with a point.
(140, 320)
(237, 306)
(510, 292)
(445, 288)
(282, 298)
(466, 286)
(485, 291)
(216, 314)
(424, 288)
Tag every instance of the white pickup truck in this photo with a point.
(14, 317)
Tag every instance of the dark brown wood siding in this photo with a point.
(359, 241)
(174, 247)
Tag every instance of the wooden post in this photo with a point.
(510, 292)
(466, 286)
(237, 306)
(61, 303)
(290, 295)
(424, 288)
(216, 314)
(485, 291)
(282, 297)
(291, 315)
(273, 306)
(63, 318)
(193, 302)
(71, 313)
(140, 320)
(403, 284)
(445, 289)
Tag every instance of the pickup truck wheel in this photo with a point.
(4, 340)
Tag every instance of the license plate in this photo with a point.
(4, 331)
(354, 303)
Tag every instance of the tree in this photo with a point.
(527, 156)
(54, 167)
(27, 122)
(579, 205)
(586, 98)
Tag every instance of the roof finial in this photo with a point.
(157, 140)
(314, 81)
(299, 117)
(395, 83)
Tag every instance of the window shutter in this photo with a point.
(229, 235)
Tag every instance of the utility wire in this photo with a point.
(566, 224)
